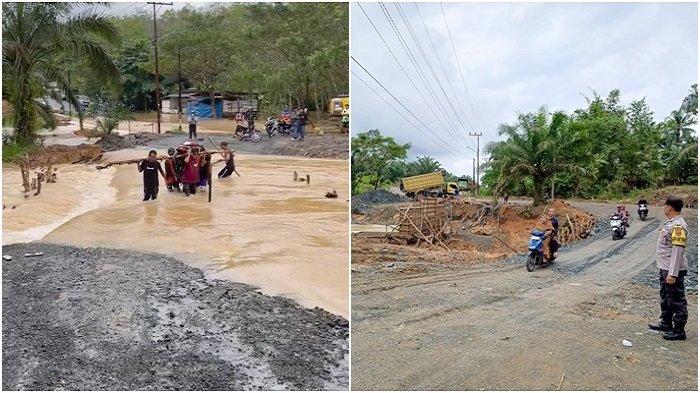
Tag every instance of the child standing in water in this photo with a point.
(150, 168)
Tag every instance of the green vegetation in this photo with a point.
(38, 40)
(290, 53)
(379, 162)
(601, 150)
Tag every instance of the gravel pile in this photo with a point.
(102, 319)
(114, 142)
(361, 203)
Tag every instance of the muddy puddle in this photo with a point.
(262, 228)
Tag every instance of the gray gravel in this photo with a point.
(97, 319)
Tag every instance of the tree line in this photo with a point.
(291, 53)
(378, 161)
(602, 148)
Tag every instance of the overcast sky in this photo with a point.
(516, 57)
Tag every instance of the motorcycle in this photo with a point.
(643, 210)
(244, 133)
(271, 126)
(274, 126)
(619, 230)
(536, 247)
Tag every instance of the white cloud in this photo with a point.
(519, 56)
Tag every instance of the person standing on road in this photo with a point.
(150, 168)
(673, 267)
(192, 121)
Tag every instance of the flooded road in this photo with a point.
(262, 228)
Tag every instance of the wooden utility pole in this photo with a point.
(155, 51)
(477, 135)
(179, 91)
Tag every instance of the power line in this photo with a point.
(414, 36)
(408, 77)
(437, 56)
(443, 145)
(400, 103)
(415, 64)
(459, 66)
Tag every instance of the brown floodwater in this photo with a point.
(262, 228)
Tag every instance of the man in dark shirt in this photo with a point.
(150, 168)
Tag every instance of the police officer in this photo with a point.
(673, 267)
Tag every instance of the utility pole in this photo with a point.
(155, 50)
(474, 171)
(179, 91)
(477, 135)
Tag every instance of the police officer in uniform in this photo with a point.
(673, 267)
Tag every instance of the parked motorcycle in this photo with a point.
(271, 126)
(619, 230)
(643, 211)
(248, 132)
(536, 247)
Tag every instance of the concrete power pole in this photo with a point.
(155, 50)
(477, 135)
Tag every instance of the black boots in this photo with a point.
(662, 326)
(677, 333)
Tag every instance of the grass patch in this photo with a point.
(13, 150)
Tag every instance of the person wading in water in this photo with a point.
(230, 167)
(190, 177)
(150, 168)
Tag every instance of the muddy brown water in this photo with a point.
(262, 228)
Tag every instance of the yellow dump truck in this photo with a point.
(336, 105)
(429, 184)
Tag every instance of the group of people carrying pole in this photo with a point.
(187, 168)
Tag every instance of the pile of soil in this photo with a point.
(114, 142)
(363, 203)
(63, 154)
(513, 224)
(104, 319)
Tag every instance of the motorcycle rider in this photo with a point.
(550, 245)
(673, 267)
(640, 202)
(624, 215)
(240, 119)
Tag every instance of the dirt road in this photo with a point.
(496, 326)
(103, 319)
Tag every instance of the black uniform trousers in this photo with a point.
(674, 306)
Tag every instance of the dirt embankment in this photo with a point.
(62, 154)
(475, 230)
(102, 319)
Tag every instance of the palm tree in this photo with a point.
(537, 148)
(679, 122)
(35, 37)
